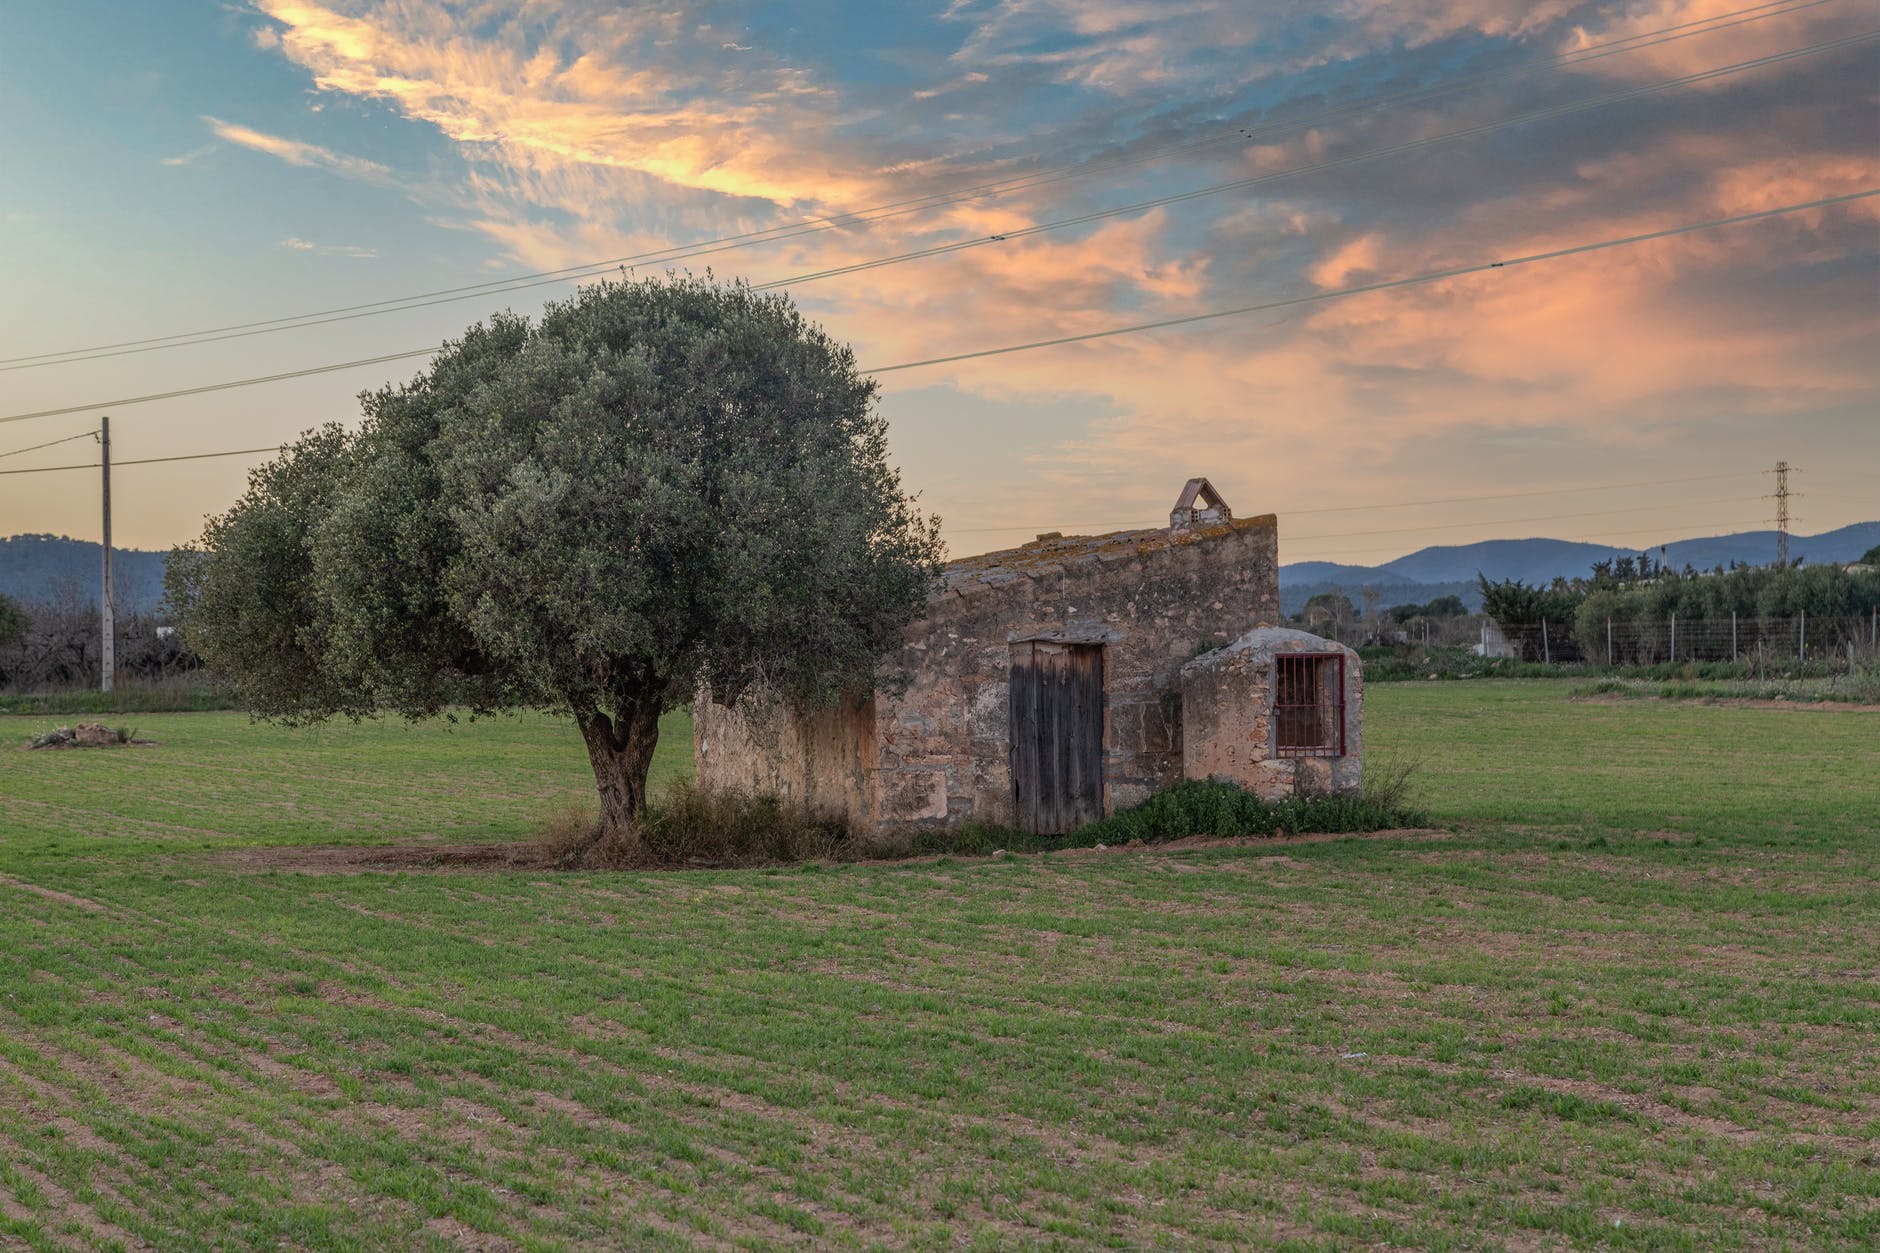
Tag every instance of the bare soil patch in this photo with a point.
(52, 894)
(363, 858)
(528, 855)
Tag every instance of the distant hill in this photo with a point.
(1755, 547)
(1451, 569)
(32, 567)
(1530, 560)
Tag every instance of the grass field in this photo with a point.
(1627, 997)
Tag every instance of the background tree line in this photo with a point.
(56, 644)
(1639, 594)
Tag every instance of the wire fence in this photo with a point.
(1833, 642)
(1829, 640)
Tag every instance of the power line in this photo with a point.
(1414, 145)
(1386, 285)
(148, 461)
(1289, 302)
(1546, 517)
(1579, 537)
(221, 387)
(50, 443)
(727, 243)
(1394, 530)
(1396, 504)
(1454, 526)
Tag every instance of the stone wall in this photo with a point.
(1227, 698)
(1153, 602)
(824, 761)
(940, 751)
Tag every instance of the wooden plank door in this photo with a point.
(1057, 735)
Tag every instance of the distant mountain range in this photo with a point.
(1451, 569)
(35, 567)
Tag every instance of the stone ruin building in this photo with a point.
(1051, 684)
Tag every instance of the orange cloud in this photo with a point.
(569, 156)
(589, 109)
(1732, 41)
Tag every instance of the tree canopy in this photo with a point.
(1334, 607)
(664, 486)
(1439, 607)
(12, 620)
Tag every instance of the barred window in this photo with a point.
(1309, 705)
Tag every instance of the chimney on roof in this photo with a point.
(1199, 505)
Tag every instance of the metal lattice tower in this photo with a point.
(1782, 513)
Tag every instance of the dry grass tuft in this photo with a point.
(567, 836)
(690, 826)
(687, 826)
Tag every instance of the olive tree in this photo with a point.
(663, 487)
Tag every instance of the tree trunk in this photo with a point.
(620, 749)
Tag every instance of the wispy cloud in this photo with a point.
(298, 152)
(328, 250)
(189, 158)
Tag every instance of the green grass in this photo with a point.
(180, 695)
(1398, 663)
(1855, 688)
(1625, 998)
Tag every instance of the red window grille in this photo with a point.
(1309, 705)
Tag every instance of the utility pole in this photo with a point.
(1782, 513)
(107, 656)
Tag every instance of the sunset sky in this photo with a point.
(172, 167)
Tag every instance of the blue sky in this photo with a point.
(170, 167)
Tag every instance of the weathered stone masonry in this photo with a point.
(1228, 715)
(940, 752)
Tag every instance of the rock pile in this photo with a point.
(84, 735)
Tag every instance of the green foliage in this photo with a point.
(1748, 592)
(1645, 594)
(246, 595)
(13, 621)
(1193, 807)
(1188, 808)
(1515, 606)
(1390, 663)
(1439, 607)
(1871, 557)
(666, 484)
(1333, 607)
